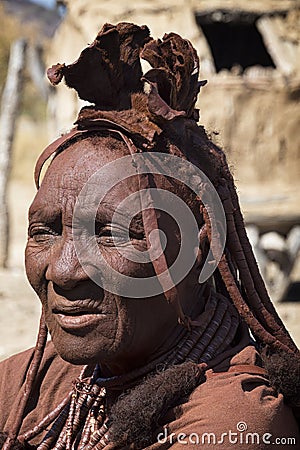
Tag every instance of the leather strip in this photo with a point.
(90, 126)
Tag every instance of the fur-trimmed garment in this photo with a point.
(234, 408)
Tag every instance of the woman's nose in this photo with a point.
(64, 268)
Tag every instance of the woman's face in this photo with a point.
(88, 324)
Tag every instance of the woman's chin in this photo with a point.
(81, 351)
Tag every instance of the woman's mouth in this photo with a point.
(77, 318)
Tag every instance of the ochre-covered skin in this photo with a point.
(128, 331)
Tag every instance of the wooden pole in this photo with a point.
(37, 70)
(9, 110)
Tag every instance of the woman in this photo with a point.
(168, 362)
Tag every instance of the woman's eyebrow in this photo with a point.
(108, 214)
(43, 214)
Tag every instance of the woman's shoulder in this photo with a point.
(54, 379)
(14, 369)
(234, 407)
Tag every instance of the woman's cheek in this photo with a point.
(36, 265)
(122, 263)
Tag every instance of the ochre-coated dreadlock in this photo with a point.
(108, 74)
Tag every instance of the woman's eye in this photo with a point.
(107, 236)
(41, 234)
(116, 236)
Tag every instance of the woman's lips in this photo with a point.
(75, 317)
(78, 321)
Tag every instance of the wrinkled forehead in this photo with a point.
(83, 159)
(94, 169)
(81, 164)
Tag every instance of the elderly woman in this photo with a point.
(142, 354)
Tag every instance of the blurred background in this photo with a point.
(250, 55)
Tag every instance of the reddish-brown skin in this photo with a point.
(128, 332)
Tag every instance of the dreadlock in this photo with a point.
(163, 119)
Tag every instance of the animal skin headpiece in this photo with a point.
(108, 74)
